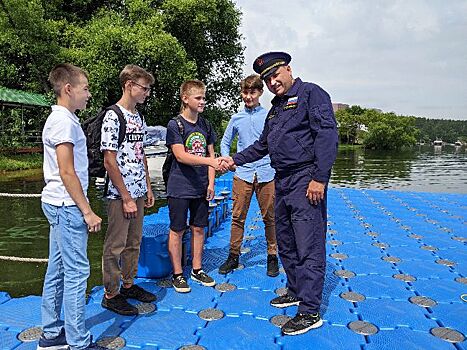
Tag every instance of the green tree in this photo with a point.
(174, 39)
(350, 121)
(389, 131)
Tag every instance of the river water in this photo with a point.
(24, 230)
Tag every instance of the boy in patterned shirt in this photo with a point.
(129, 192)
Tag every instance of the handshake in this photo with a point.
(222, 164)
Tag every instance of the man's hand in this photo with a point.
(129, 208)
(223, 166)
(229, 162)
(315, 191)
(93, 221)
(149, 201)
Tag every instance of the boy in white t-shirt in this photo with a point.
(67, 209)
(129, 193)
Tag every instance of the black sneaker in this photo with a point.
(180, 284)
(138, 293)
(95, 346)
(273, 266)
(57, 343)
(284, 301)
(302, 323)
(203, 278)
(229, 265)
(119, 305)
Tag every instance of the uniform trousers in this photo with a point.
(301, 237)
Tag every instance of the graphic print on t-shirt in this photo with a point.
(134, 134)
(130, 155)
(196, 144)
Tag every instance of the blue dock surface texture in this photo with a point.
(396, 278)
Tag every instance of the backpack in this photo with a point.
(92, 129)
(167, 166)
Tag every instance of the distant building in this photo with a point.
(338, 106)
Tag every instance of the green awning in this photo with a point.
(22, 98)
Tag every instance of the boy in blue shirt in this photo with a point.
(252, 177)
(191, 182)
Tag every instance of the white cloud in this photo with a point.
(409, 57)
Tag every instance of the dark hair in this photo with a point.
(65, 73)
(252, 82)
(134, 72)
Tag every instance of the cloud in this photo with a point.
(393, 55)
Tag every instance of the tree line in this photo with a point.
(174, 39)
(379, 130)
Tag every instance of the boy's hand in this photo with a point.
(214, 163)
(93, 221)
(129, 208)
(229, 163)
(210, 193)
(149, 201)
(223, 166)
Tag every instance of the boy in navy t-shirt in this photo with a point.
(191, 182)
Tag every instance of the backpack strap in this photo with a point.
(121, 136)
(121, 118)
(181, 128)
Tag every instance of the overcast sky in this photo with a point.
(404, 56)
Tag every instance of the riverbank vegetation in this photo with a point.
(11, 162)
(388, 131)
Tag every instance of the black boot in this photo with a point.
(229, 265)
(273, 266)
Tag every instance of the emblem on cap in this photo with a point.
(267, 63)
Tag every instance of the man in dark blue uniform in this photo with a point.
(300, 135)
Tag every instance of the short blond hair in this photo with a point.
(189, 87)
(133, 72)
(65, 73)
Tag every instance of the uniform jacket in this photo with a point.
(300, 131)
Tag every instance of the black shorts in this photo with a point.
(178, 212)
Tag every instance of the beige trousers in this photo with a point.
(121, 246)
(242, 191)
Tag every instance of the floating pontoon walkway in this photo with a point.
(396, 279)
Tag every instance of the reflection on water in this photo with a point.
(24, 233)
(424, 168)
(24, 230)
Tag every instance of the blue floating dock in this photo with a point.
(374, 235)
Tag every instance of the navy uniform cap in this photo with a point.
(268, 62)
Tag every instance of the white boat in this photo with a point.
(155, 155)
(437, 142)
(458, 143)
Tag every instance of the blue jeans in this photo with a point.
(66, 276)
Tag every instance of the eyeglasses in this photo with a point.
(145, 88)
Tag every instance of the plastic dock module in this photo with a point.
(396, 278)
